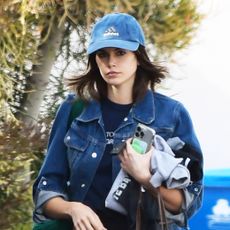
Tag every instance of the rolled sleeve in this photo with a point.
(42, 198)
(54, 174)
(192, 202)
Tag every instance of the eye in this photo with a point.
(101, 54)
(121, 52)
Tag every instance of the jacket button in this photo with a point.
(125, 119)
(68, 138)
(44, 182)
(94, 155)
(82, 185)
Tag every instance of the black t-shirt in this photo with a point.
(113, 114)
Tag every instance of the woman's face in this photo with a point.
(117, 66)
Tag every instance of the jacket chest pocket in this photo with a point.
(77, 144)
(165, 132)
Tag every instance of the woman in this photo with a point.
(119, 92)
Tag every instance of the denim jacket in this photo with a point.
(74, 153)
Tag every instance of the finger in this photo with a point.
(129, 143)
(125, 153)
(150, 152)
(97, 226)
(95, 222)
(100, 224)
(88, 226)
(125, 168)
(129, 140)
(80, 225)
(121, 156)
(129, 147)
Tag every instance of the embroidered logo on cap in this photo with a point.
(111, 31)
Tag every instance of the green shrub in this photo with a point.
(21, 151)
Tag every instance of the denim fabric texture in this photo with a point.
(74, 153)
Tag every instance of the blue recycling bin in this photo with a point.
(215, 211)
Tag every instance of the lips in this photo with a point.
(112, 73)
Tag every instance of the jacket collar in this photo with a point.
(143, 111)
(91, 112)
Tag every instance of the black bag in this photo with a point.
(145, 211)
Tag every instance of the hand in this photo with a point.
(84, 218)
(135, 164)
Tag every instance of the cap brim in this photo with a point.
(132, 46)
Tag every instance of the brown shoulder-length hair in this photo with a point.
(91, 84)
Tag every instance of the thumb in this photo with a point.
(129, 145)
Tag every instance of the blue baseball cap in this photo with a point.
(118, 30)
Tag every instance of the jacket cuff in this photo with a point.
(42, 198)
(181, 219)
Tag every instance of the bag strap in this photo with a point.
(138, 211)
(163, 219)
(77, 107)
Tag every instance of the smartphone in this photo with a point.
(143, 138)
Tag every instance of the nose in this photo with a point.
(112, 61)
